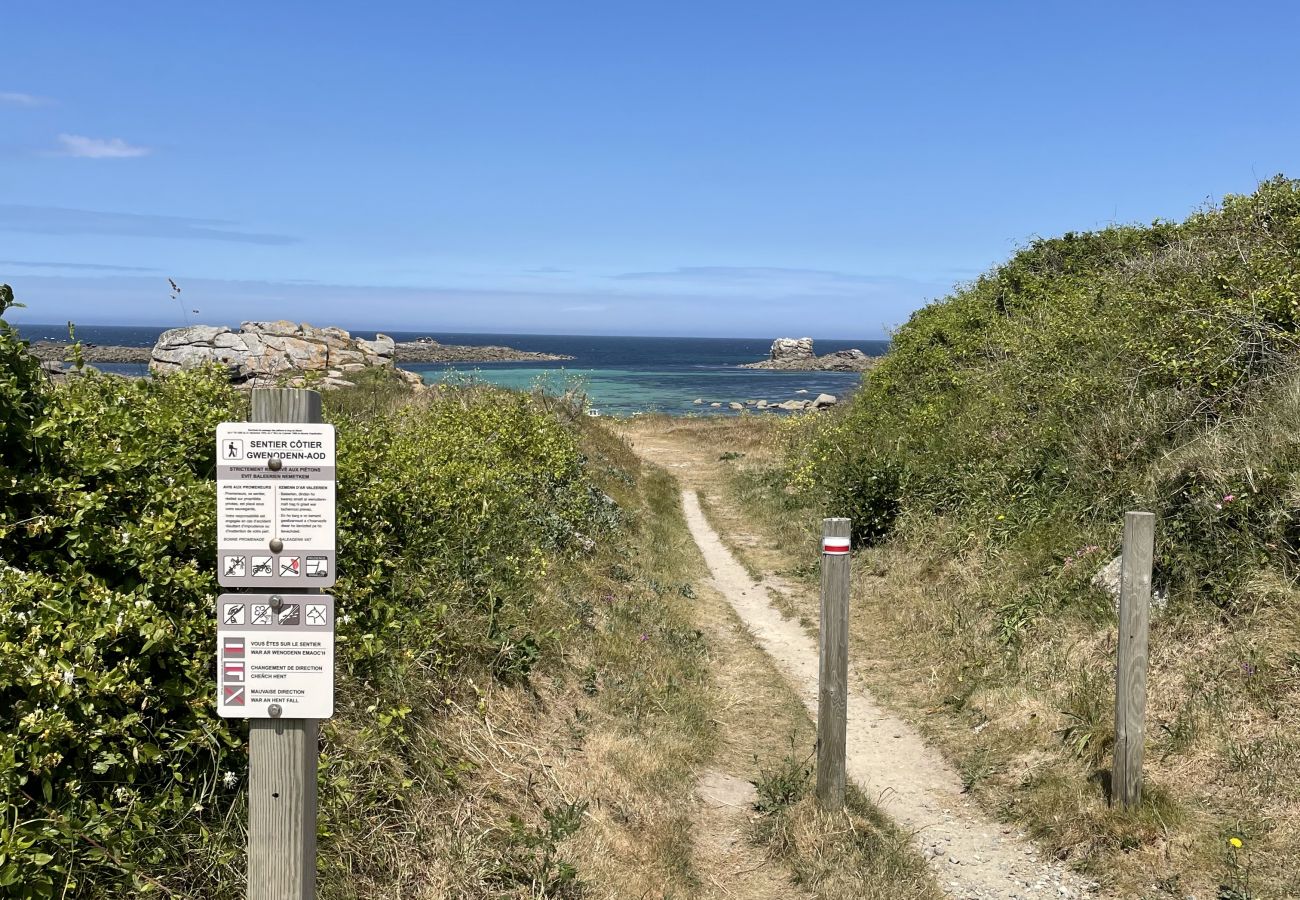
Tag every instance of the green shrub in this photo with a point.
(1093, 373)
(116, 776)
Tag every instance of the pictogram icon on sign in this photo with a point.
(232, 670)
(316, 614)
(234, 614)
(318, 566)
(290, 614)
(263, 567)
(261, 614)
(232, 448)
(233, 696)
(235, 566)
(290, 566)
(232, 646)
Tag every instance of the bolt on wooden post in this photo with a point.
(833, 672)
(1131, 669)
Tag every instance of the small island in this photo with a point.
(428, 350)
(796, 354)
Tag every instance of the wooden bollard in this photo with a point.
(1131, 669)
(833, 672)
(282, 753)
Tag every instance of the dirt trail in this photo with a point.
(972, 855)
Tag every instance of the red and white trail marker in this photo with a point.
(835, 546)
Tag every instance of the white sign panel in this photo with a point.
(275, 505)
(275, 656)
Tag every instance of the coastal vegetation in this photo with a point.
(987, 463)
(491, 627)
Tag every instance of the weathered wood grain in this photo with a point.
(1131, 669)
(833, 674)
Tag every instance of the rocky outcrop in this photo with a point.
(796, 354)
(263, 352)
(821, 401)
(791, 350)
(429, 350)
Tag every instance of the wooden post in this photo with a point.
(1131, 670)
(282, 753)
(833, 672)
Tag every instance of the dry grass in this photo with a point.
(585, 780)
(576, 782)
(1029, 722)
(855, 854)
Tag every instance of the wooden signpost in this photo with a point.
(1131, 671)
(276, 532)
(833, 672)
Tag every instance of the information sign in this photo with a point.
(275, 505)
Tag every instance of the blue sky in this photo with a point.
(693, 168)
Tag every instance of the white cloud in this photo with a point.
(15, 98)
(99, 148)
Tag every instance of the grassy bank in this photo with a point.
(987, 463)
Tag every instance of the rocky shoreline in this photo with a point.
(796, 355)
(821, 401)
(429, 350)
(53, 351)
(421, 351)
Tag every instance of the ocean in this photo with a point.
(621, 375)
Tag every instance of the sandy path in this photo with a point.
(972, 856)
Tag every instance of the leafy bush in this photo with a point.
(1046, 397)
(116, 776)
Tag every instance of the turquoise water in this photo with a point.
(621, 375)
(625, 391)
